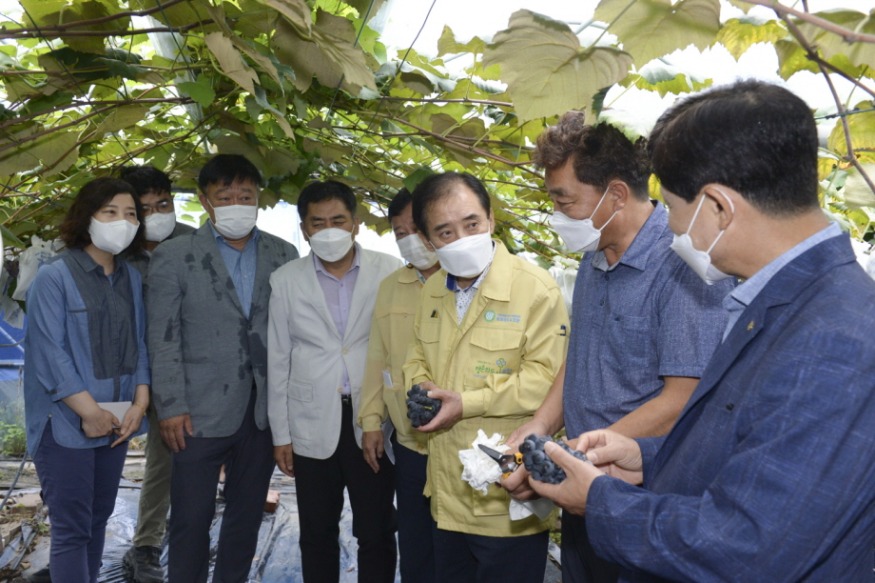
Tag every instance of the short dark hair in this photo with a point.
(145, 179)
(89, 200)
(436, 186)
(399, 202)
(756, 138)
(327, 190)
(601, 153)
(225, 169)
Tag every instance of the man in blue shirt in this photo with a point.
(767, 474)
(207, 300)
(643, 325)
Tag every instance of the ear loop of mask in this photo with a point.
(601, 200)
(696, 214)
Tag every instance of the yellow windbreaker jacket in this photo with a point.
(383, 390)
(502, 359)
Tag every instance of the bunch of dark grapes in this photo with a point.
(539, 464)
(420, 407)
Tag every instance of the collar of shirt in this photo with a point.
(411, 275)
(320, 267)
(453, 284)
(645, 241)
(745, 293)
(253, 235)
(87, 263)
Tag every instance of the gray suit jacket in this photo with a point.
(205, 354)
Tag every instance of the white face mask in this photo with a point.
(580, 235)
(414, 252)
(699, 261)
(113, 237)
(331, 244)
(159, 226)
(235, 221)
(468, 256)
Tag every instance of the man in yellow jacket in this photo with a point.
(384, 393)
(490, 336)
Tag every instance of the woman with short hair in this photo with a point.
(86, 372)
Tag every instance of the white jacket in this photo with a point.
(306, 354)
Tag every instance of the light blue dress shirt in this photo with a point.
(744, 294)
(240, 265)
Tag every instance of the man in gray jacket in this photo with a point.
(207, 300)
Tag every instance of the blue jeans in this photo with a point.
(80, 487)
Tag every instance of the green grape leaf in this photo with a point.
(546, 70)
(654, 28)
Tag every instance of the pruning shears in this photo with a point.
(508, 462)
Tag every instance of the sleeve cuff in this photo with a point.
(649, 448)
(682, 370)
(371, 423)
(67, 387)
(598, 519)
(166, 410)
(474, 403)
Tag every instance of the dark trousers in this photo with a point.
(472, 558)
(580, 563)
(319, 485)
(195, 475)
(415, 524)
(79, 486)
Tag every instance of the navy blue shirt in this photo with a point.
(646, 317)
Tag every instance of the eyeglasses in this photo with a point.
(162, 206)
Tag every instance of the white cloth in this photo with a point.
(29, 261)
(479, 471)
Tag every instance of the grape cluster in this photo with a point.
(420, 407)
(539, 464)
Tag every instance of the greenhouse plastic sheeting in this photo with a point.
(277, 557)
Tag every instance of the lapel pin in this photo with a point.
(750, 325)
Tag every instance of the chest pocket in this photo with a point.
(629, 340)
(430, 331)
(492, 339)
(495, 351)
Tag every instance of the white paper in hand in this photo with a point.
(478, 469)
